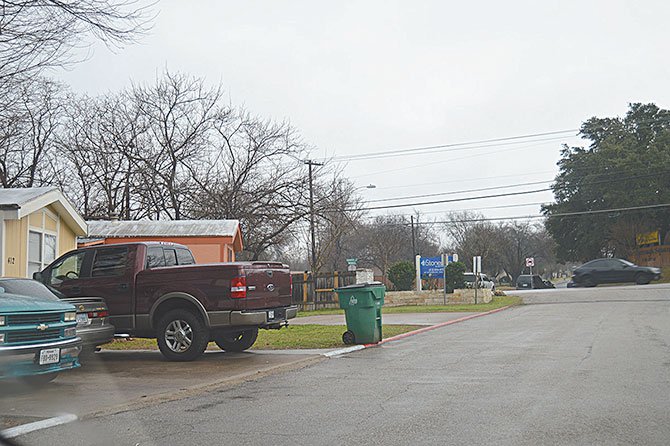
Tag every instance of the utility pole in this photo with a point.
(311, 163)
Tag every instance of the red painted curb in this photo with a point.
(433, 327)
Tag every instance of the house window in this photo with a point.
(41, 250)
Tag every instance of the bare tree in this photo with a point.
(339, 216)
(40, 34)
(180, 112)
(99, 140)
(255, 175)
(503, 247)
(27, 132)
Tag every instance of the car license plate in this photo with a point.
(49, 356)
(82, 319)
(271, 314)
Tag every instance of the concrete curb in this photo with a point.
(23, 429)
(412, 333)
(440, 325)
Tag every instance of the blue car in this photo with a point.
(38, 337)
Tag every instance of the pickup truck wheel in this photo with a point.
(182, 336)
(237, 342)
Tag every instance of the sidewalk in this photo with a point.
(393, 319)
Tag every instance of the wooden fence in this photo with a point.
(310, 295)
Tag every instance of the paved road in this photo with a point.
(577, 367)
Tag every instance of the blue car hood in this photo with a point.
(13, 303)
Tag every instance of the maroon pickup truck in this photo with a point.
(155, 290)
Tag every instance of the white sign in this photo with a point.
(530, 261)
(477, 264)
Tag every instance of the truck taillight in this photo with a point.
(238, 287)
(290, 283)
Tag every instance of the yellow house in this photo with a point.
(37, 225)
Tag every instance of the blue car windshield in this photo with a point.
(26, 287)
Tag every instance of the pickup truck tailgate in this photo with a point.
(268, 286)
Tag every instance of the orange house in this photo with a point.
(210, 241)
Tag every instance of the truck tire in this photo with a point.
(182, 336)
(236, 342)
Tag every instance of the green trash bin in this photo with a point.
(362, 305)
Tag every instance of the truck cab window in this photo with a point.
(155, 257)
(68, 268)
(184, 257)
(109, 262)
(170, 257)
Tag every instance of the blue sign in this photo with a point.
(432, 266)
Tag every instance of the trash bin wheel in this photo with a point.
(348, 337)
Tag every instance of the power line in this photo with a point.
(453, 200)
(452, 145)
(459, 191)
(421, 149)
(448, 149)
(516, 175)
(444, 211)
(559, 215)
(433, 163)
(436, 194)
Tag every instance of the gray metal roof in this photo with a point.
(163, 228)
(12, 198)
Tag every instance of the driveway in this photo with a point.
(119, 380)
(577, 367)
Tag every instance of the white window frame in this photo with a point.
(42, 231)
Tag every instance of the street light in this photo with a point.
(369, 186)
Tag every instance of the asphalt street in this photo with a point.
(576, 366)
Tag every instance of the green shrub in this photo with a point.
(455, 277)
(402, 275)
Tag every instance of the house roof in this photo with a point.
(164, 228)
(16, 203)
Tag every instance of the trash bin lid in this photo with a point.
(360, 285)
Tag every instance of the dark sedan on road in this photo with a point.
(614, 271)
(93, 325)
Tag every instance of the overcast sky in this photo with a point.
(360, 77)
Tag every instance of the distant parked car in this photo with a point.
(484, 281)
(527, 282)
(93, 326)
(614, 271)
(38, 337)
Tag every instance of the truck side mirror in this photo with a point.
(37, 276)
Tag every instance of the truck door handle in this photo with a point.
(123, 286)
(76, 289)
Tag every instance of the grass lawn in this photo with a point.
(293, 336)
(497, 302)
(665, 275)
